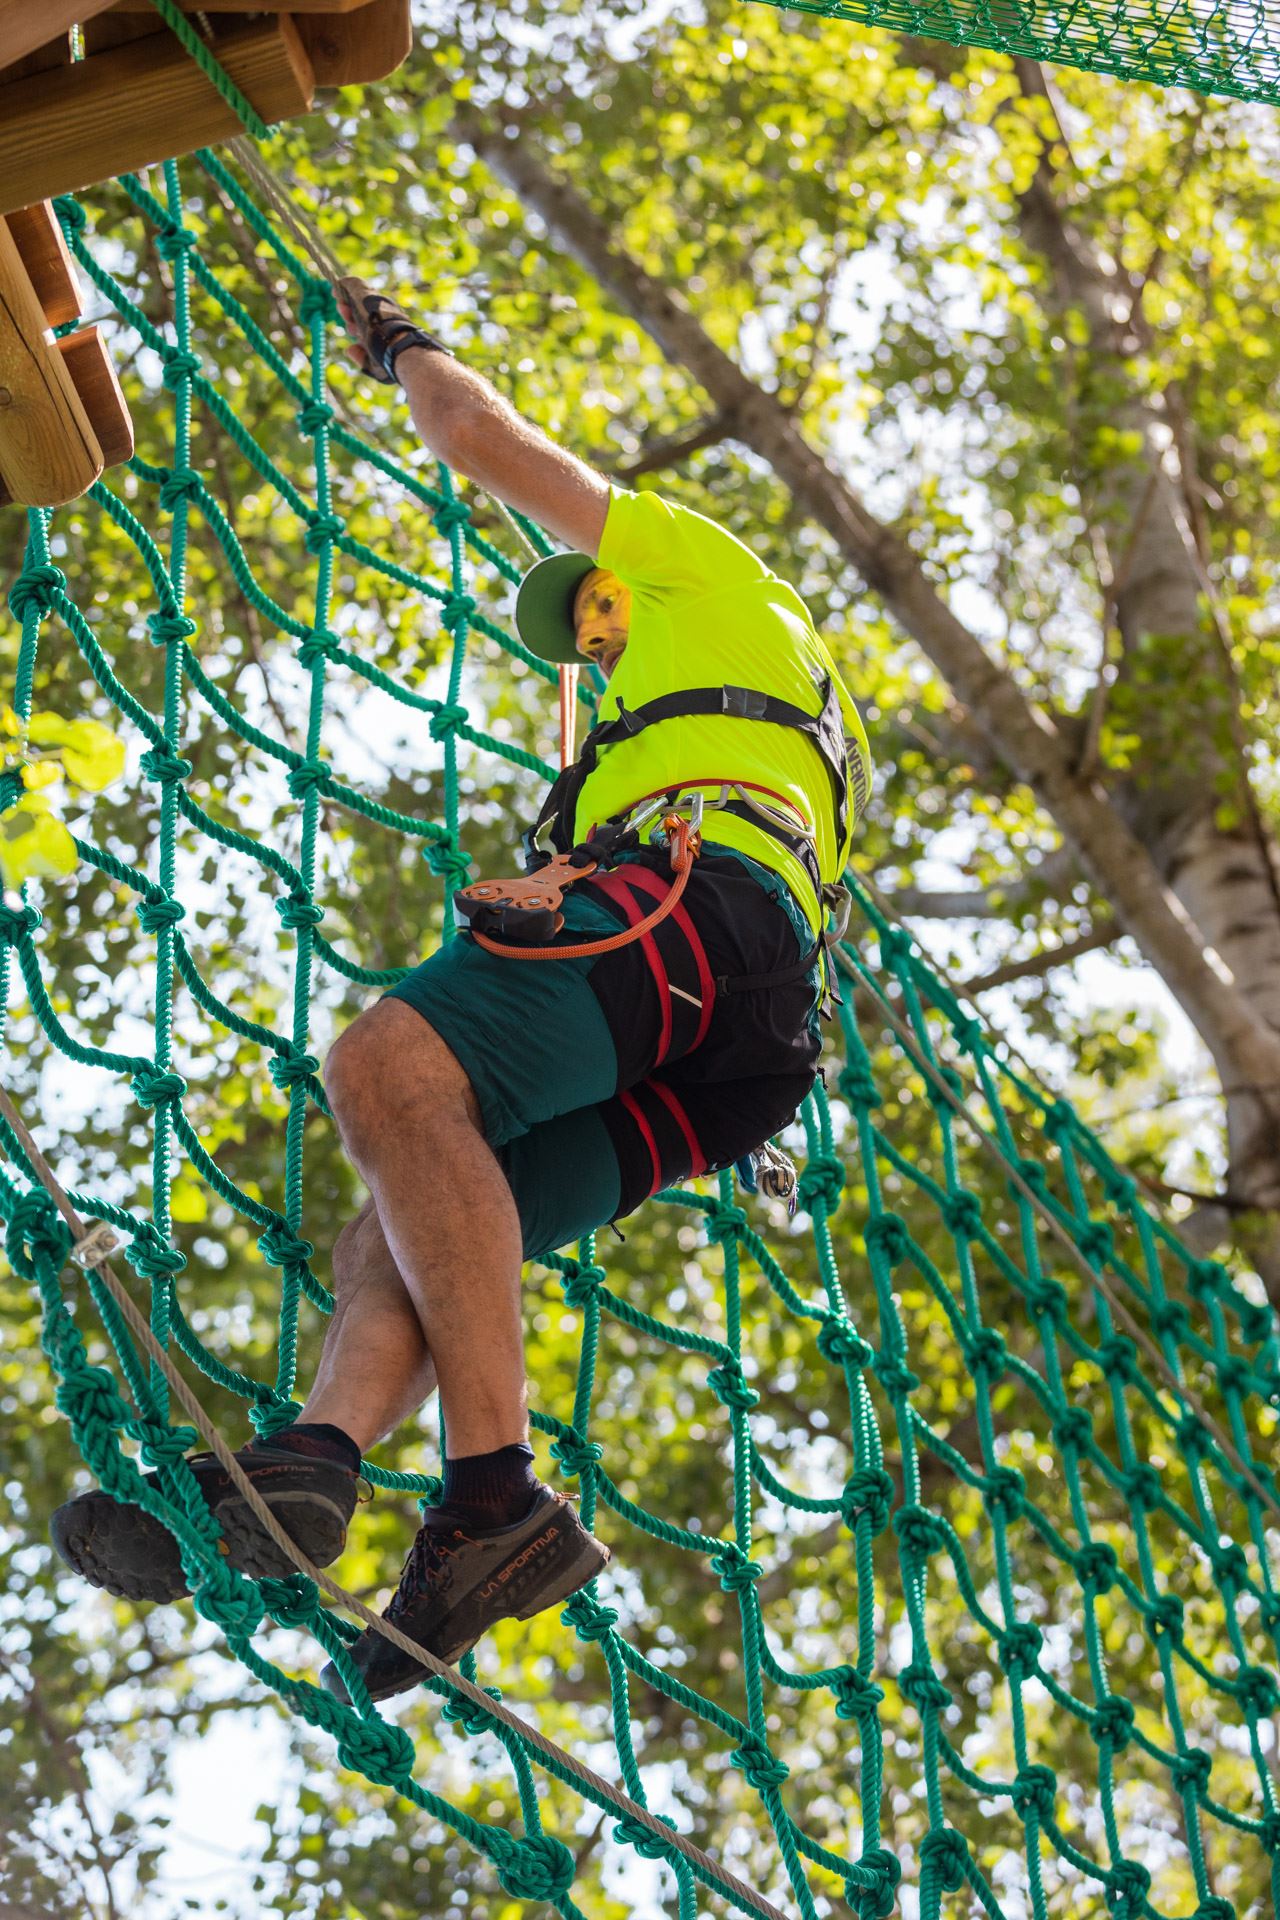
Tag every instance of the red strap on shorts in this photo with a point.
(632, 1106)
(618, 889)
(673, 1106)
(655, 886)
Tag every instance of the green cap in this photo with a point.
(544, 605)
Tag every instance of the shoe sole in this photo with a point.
(590, 1560)
(247, 1547)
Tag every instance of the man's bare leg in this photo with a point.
(375, 1370)
(411, 1126)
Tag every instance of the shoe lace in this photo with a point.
(426, 1558)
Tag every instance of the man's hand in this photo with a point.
(380, 330)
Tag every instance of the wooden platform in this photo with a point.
(137, 96)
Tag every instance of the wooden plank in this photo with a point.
(87, 359)
(28, 24)
(140, 103)
(241, 6)
(50, 268)
(49, 452)
(345, 48)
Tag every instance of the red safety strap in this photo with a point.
(632, 1106)
(684, 1123)
(655, 886)
(617, 889)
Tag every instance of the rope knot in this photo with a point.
(446, 722)
(821, 1185)
(1120, 1190)
(1127, 1885)
(172, 241)
(1112, 1723)
(169, 624)
(1166, 1614)
(730, 1387)
(161, 1444)
(1231, 1567)
(646, 1844)
(159, 910)
(451, 514)
(322, 530)
(314, 416)
(1002, 1492)
(581, 1283)
(298, 910)
(919, 1533)
(1235, 1375)
(985, 1353)
(307, 777)
(1142, 1486)
(1047, 1299)
(841, 1343)
(724, 1224)
(1019, 1649)
(72, 217)
(179, 367)
(946, 1852)
(1073, 1429)
(895, 944)
(270, 1415)
(1096, 1242)
(292, 1068)
(36, 590)
(181, 483)
(152, 1257)
(919, 1684)
(576, 1454)
(738, 1574)
(1096, 1566)
(761, 1768)
(163, 765)
(962, 1214)
(537, 1868)
(1170, 1319)
(1191, 1770)
(1118, 1358)
(466, 1714)
(227, 1600)
(894, 1375)
(280, 1246)
(456, 612)
(887, 1235)
(867, 1493)
(17, 924)
(1033, 1176)
(317, 303)
(320, 644)
(858, 1088)
(1269, 1832)
(292, 1602)
(91, 1399)
(1214, 1907)
(588, 1618)
(855, 1694)
(1034, 1791)
(873, 1894)
(1257, 1324)
(379, 1750)
(1257, 1692)
(447, 860)
(152, 1088)
(1206, 1279)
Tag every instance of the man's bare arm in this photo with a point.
(467, 424)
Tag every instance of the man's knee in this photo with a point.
(391, 1069)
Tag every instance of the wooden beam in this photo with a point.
(241, 6)
(28, 24)
(50, 268)
(137, 104)
(346, 48)
(49, 452)
(88, 361)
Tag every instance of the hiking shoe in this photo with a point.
(134, 1556)
(457, 1584)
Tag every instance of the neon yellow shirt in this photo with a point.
(706, 612)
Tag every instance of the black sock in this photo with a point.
(488, 1490)
(319, 1440)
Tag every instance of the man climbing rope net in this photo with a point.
(497, 1109)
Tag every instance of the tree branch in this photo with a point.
(670, 451)
(1050, 879)
(1104, 935)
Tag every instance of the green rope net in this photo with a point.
(1230, 47)
(1102, 1512)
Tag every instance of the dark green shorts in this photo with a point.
(600, 1080)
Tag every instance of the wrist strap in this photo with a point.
(410, 337)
